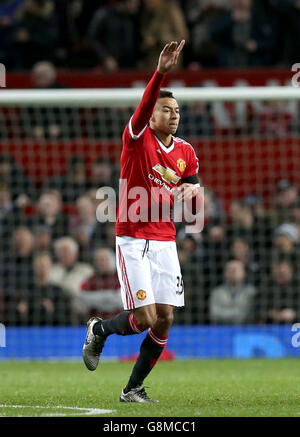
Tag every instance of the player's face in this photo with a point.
(165, 117)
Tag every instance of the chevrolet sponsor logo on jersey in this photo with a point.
(167, 174)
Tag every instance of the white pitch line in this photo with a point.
(86, 411)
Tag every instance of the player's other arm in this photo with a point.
(190, 185)
(167, 59)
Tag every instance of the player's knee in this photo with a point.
(165, 320)
(146, 319)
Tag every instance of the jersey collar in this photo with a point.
(165, 148)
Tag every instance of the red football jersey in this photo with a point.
(149, 171)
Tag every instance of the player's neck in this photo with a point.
(166, 139)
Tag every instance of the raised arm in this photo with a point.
(167, 59)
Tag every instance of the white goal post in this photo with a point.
(127, 96)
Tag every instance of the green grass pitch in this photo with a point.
(232, 388)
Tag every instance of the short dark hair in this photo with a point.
(164, 93)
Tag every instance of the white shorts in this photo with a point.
(149, 272)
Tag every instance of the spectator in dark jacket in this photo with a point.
(13, 178)
(112, 34)
(50, 215)
(36, 35)
(289, 13)
(9, 11)
(278, 300)
(16, 274)
(248, 35)
(73, 183)
(46, 303)
(11, 217)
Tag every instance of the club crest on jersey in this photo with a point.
(141, 294)
(167, 174)
(181, 164)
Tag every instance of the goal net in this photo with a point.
(58, 147)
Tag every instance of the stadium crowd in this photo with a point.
(128, 34)
(58, 264)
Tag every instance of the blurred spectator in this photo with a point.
(101, 292)
(161, 22)
(82, 225)
(112, 34)
(240, 250)
(49, 123)
(286, 236)
(17, 263)
(68, 272)
(276, 120)
(3, 315)
(45, 303)
(201, 16)
(76, 16)
(104, 231)
(13, 179)
(9, 12)
(103, 235)
(43, 239)
(215, 244)
(242, 220)
(279, 296)
(233, 301)
(190, 255)
(248, 35)
(295, 213)
(286, 243)
(196, 121)
(189, 251)
(289, 13)
(36, 35)
(73, 183)
(248, 222)
(6, 204)
(256, 203)
(109, 238)
(43, 76)
(11, 217)
(213, 210)
(286, 196)
(50, 215)
(17, 274)
(103, 174)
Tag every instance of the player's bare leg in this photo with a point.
(164, 320)
(146, 316)
(150, 351)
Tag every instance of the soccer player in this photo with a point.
(147, 262)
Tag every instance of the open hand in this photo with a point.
(169, 56)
